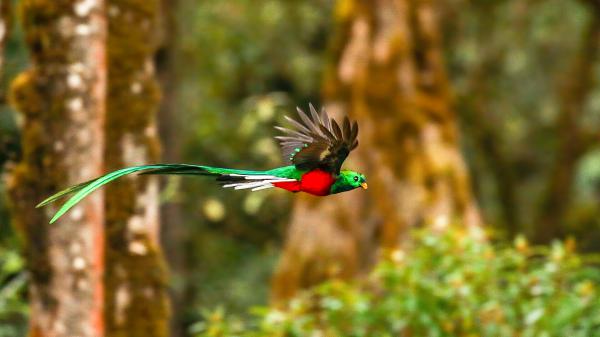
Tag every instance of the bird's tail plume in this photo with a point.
(229, 177)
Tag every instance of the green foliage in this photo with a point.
(13, 308)
(446, 285)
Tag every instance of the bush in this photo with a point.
(447, 285)
(13, 306)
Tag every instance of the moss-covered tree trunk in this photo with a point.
(387, 71)
(136, 275)
(5, 25)
(62, 101)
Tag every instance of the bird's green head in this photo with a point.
(348, 180)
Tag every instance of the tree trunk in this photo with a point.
(5, 25)
(173, 231)
(388, 73)
(7, 139)
(136, 275)
(62, 100)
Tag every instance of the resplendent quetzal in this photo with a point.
(315, 148)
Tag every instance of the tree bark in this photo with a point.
(5, 25)
(173, 231)
(387, 71)
(62, 100)
(7, 139)
(571, 134)
(136, 276)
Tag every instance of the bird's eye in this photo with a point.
(355, 178)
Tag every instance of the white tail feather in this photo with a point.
(266, 181)
(249, 185)
(262, 187)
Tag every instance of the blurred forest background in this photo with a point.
(480, 122)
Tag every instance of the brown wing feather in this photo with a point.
(318, 141)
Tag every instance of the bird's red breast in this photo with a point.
(316, 182)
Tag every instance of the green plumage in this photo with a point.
(84, 189)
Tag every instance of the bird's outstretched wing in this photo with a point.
(317, 141)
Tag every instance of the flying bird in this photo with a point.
(314, 147)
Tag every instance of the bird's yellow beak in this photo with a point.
(364, 185)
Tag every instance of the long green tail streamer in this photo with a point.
(84, 189)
